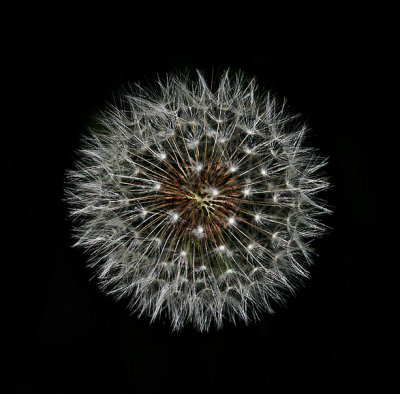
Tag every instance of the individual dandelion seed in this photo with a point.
(198, 202)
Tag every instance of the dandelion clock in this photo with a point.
(197, 202)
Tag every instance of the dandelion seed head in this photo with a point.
(197, 202)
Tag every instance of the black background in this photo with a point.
(332, 63)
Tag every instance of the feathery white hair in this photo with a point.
(198, 203)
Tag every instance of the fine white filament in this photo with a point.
(198, 202)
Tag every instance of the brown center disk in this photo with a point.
(203, 198)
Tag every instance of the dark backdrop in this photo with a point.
(331, 62)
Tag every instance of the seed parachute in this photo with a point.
(198, 202)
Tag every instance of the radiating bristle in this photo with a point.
(198, 203)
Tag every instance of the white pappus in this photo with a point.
(196, 202)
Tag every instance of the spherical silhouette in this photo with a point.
(198, 202)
